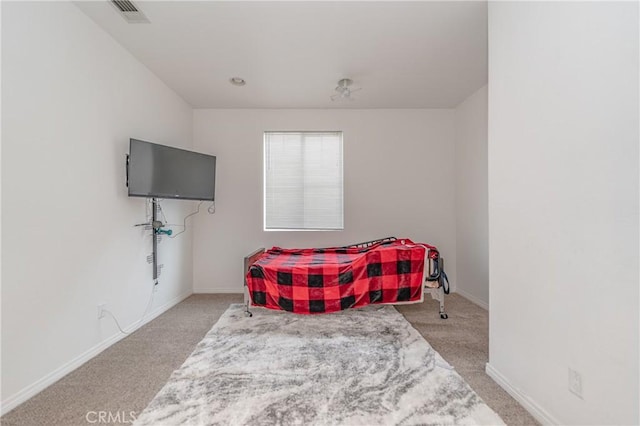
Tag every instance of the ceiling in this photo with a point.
(292, 54)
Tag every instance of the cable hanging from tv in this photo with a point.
(158, 225)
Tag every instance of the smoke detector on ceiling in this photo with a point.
(130, 12)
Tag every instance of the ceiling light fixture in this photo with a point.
(237, 81)
(344, 90)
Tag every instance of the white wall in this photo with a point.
(71, 98)
(472, 221)
(398, 172)
(563, 206)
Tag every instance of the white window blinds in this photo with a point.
(303, 180)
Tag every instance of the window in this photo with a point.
(303, 181)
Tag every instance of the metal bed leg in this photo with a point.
(442, 279)
(443, 314)
(438, 294)
(247, 301)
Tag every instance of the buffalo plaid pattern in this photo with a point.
(313, 281)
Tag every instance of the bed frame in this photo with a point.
(437, 293)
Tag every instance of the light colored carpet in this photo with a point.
(127, 376)
(356, 367)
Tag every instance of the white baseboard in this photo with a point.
(473, 299)
(220, 290)
(33, 389)
(539, 413)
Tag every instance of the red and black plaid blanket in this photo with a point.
(312, 281)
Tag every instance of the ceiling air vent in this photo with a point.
(130, 12)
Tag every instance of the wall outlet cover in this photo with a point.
(101, 308)
(575, 383)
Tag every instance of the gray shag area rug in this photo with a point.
(356, 367)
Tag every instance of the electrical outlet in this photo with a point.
(575, 383)
(101, 308)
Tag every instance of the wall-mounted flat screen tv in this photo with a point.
(159, 171)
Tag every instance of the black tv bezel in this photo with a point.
(171, 196)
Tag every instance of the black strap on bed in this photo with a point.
(435, 274)
(438, 274)
(444, 281)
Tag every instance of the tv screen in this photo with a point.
(159, 171)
